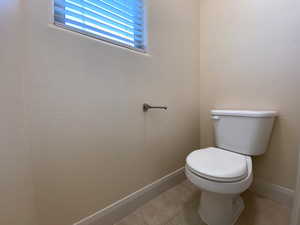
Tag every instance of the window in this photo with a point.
(119, 22)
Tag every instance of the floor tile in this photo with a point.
(262, 211)
(153, 215)
(190, 186)
(133, 219)
(178, 206)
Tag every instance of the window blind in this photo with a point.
(117, 21)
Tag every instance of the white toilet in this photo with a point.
(225, 171)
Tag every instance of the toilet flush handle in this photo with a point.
(215, 117)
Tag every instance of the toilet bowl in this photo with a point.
(220, 202)
(223, 172)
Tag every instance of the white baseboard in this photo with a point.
(274, 192)
(127, 205)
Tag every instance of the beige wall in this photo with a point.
(91, 142)
(16, 188)
(249, 59)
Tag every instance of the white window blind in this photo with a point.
(117, 21)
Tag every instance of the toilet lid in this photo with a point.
(218, 164)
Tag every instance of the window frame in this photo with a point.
(104, 39)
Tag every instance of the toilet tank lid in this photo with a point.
(245, 113)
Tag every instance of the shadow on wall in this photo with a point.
(276, 155)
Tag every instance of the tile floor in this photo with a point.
(178, 206)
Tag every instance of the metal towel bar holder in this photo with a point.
(146, 107)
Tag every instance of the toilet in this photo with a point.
(223, 172)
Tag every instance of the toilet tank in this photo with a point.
(244, 132)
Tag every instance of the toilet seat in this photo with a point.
(221, 187)
(218, 165)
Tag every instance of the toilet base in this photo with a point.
(220, 209)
